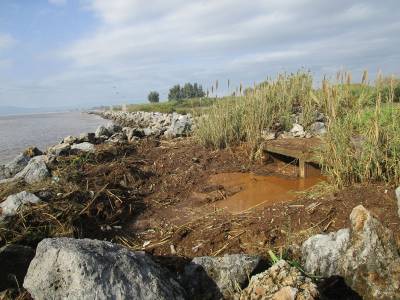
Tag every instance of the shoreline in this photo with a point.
(138, 188)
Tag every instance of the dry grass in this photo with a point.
(362, 143)
(267, 105)
(93, 194)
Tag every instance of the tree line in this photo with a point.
(177, 92)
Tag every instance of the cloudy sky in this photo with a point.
(89, 52)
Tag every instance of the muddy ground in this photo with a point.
(174, 220)
(156, 195)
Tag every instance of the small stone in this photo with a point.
(297, 130)
(69, 140)
(10, 206)
(84, 147)
(60, 149)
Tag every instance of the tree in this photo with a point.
(175, 93)
(154, 97)
(188, 91)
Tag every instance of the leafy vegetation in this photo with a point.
(188, 91)
(153, 97)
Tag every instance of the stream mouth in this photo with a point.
(253, 190)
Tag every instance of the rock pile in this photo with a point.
(365, 255)
(281, 281)
(152, 123)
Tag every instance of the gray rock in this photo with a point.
(65, 268)
(281, 281)
(369, 264)
(60, 149)
(398, 200)
(297, 130)
(14, 262)
(87, 137)
(16, 165)
(112, 128)
(35, 171)
(118, 137)
(180, 125)
(10, 206)
(218, 277)
(318, 128)
(69, 140)
(83, 147)
(321, 252)
(131, 133)
(101, 131)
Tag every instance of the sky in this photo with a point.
(82, 53)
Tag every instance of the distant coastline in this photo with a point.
(18, 111)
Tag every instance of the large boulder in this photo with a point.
(281, 281)
(369, 262)
(14, 262)
(10, 206)
(218, 277)
(321, 252)
(66, 268)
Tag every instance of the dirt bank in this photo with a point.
(159, 196)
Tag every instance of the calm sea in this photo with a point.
(41, 130)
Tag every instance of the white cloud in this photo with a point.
(143, 45)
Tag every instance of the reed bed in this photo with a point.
(363, 139)
(267, 105)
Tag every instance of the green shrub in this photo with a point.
(153, 97)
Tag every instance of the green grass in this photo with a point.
(196, 106)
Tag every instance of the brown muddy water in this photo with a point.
(253, 190)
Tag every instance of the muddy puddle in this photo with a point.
(249, 190)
